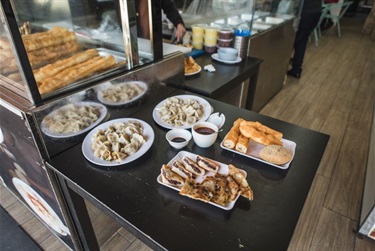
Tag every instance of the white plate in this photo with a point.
(40, 207)
(222, 170)
(148, 133)
(193, 73)
(206, 106)
(254, 148)
(216, 57)
(108, 85)
(48, 132)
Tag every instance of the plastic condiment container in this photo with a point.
(197, 38)
(197, 45)
(211, 31)
(210, 48)
(224, 42)
(210, 41)
(225, 33)
(198, 29)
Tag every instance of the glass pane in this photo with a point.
(9, 65)
(71, 43)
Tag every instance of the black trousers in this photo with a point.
(308, 22)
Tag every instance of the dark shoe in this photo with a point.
(293, 74)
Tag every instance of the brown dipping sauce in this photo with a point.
(178, 140)
(204, 130)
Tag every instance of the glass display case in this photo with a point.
(57, 47)
(258, 15)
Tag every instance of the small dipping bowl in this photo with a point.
(204, 134)
(228, 54)
(178, 138)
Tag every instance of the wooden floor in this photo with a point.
(336, 95)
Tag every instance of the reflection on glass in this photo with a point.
(234, 13)
(10, 70)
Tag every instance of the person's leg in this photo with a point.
(306, 26)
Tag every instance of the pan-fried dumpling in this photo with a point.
(131, 148)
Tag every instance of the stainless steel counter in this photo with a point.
(274, 46)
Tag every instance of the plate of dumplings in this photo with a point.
(117, 142)
(181, 111)
(122, 93)
(73, 119)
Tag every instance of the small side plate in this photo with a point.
(193, 73)
(215, 56)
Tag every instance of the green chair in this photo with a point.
(344, 6)
(317, 30)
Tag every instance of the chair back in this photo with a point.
(329, 7)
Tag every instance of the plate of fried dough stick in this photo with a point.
(204, 179)
(260, 142)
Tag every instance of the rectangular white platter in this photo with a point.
(222, 170)
(254, 148)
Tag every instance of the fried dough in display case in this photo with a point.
(64, 46)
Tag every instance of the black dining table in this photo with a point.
(165, 220)
(225, 78)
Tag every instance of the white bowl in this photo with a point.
(202, 139)
(228, 54)
(174, 135)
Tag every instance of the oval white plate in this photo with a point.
(206, 106)
(193, 73)
(148, 133)
(49, 216)
(215, 56)
(48, 132)
(143, 85)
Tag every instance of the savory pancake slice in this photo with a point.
(196, 191)
(241, 181)
(171, 178)
(218, 187)
(233, 188)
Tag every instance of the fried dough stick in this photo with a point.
(231, 139)
(52, 69)
(77, 72)
(44, 55)
(54, 36)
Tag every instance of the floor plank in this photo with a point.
(305, 230)
(335, 126)
(345, 192)
(333, 232)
